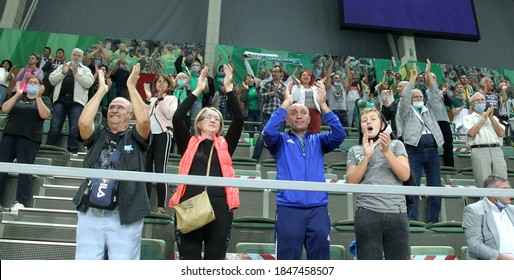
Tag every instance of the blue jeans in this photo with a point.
(260, 142)
(425, 157)
(3, 92)
(253, 116)
(381, 235)
(65, 106)
(99, 229)
(195, 109)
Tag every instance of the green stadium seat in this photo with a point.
(152, 249)
(432, 250)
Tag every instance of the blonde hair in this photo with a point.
(199, 117)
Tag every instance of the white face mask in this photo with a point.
(418, 104)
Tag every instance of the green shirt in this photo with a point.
(193, 82)
(253, 100)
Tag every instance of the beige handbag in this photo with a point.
(197, 211)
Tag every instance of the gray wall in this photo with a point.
(161, 20)
(495, 49)
(291, 25)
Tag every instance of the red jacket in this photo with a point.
(227, 170)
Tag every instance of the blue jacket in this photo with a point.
(295, 165)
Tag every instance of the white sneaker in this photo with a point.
(16, 206)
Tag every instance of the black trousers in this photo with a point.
(156, 160)
(23, 150)
(446, 129)
(214, 236)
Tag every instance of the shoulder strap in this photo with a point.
(209, 162)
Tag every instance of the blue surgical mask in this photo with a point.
(479, 107)
(98, 62)
(32, 90)
(195, 69)
(221, 74)
(337, 84)
(418, 104)
(181, 83)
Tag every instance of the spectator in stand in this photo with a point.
(251, 111)
(306, 93)
(468, 88)
(48, 68)
(195, 150)
(421, 136)
(460, 108)
(6, 76)
(197, 56)
(43, 59)
(485, 134)
(141, 59)
(23, 134)
(381, 220)
(181, 91)
(97, 57)
(271, 96)
(489, 224)
(353, 91)
(27, 71)
(117, 232)
(119, 75)
(336, 94)
(491, 97)
(302, 218)
(161, 107)
(72, 81)
(441, 115)
(193, 81)
(94, 88)
(389, 110)
(384, 89)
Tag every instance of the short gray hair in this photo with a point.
(493, 179)
(77, 50)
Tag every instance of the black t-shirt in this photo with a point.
(68, 84)
(120, 78)
(24, 119)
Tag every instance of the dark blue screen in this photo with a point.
(433, 16)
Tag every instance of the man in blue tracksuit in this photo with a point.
(302, 216)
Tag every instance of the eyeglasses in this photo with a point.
(211, 118)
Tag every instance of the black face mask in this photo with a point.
(376, 138)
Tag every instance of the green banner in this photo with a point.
(17, 45)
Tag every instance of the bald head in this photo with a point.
(298, 118)
(119, 114)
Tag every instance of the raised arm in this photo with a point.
(215, 66)
(7, 106)
(86, 120)
(348, 78)
(138, 105)
(328, 81)
(236, 126)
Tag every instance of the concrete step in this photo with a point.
(53, 202)
(42, 215)
(11, 249)
(58, 190)
(35, 231)
(67, 181)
